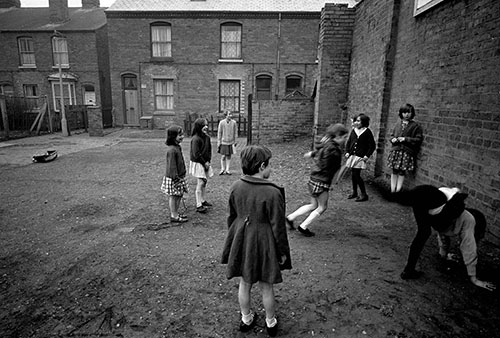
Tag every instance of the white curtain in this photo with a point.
(161, 41)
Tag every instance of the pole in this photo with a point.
(64, 122)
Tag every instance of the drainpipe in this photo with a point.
(278, 58)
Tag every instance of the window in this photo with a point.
(230, 41)
(30, 90)
(164, 94)
(89, 95)
(423, 5)
(161, 40)
(229, 95)
(60, 52)
(6, 89)
(263, 87)
(68, 94)
(293, 83)
(26, 52)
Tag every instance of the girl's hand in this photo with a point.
(283, 260)
(485, 285)
(207, 165)
(394, 140)
(347, 155)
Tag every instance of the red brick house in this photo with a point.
(170, 58)
(35, 40)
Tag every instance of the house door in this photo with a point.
(131, 113)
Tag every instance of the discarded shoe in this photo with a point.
(48, 156)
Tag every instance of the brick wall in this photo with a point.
(195, 65)
(446, 63)
(335, 39)
(281, 121)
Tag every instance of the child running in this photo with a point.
(174, 182)
(256, 247)
(327, 158)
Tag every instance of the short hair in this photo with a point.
(364, 119)
(199, 123)
(337, 129)
(407, 108)
(252, 158)
(172, 133)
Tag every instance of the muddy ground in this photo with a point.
(86, 251)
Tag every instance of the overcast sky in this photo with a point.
(71, 3)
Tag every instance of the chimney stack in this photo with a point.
(10, 3)
(58, 11)
(88, 4)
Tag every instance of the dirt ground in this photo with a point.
(86, 251)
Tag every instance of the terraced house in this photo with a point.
(172, 58)
(44, 47)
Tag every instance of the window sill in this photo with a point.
(231, 60)
(27, 67)
(159, 59)
(62, 67)
(163, 113)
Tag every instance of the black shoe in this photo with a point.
(206, 204)
(222, 172)
(201, 209)
(247, 327)
(178, 219)
(289, 224)
(272, 331)
(351, 196)
(361, 198)
(305, 232)
(411, 274)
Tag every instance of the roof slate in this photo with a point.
(224, 5)
(38, 19)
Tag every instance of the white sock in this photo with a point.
(271, 322)
(247, 319)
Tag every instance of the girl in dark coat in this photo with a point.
(256, 247)
(360, 146)
(406, 138)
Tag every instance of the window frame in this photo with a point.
(169, 96)
(290, 77)
(224, 55)
(30, 52)
(159, 43)
(33, 89)
(60, 54)
(236, 98)
(56, 93)
(3, 85)
(424, 5)
(257, 90)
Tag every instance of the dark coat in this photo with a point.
(327, 158)
(257, 237)
(175, 168)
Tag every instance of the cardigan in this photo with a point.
(201, 149)
(327, 159)
(361, 146)
(175, 167)
(227, 132)
(413, 135)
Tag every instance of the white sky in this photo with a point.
(71, 3)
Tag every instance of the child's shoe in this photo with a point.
(305, 232)
(206, 204)
(247, 327)
(201, 209)
(178, 219)
(351, 196)
(272, 331)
